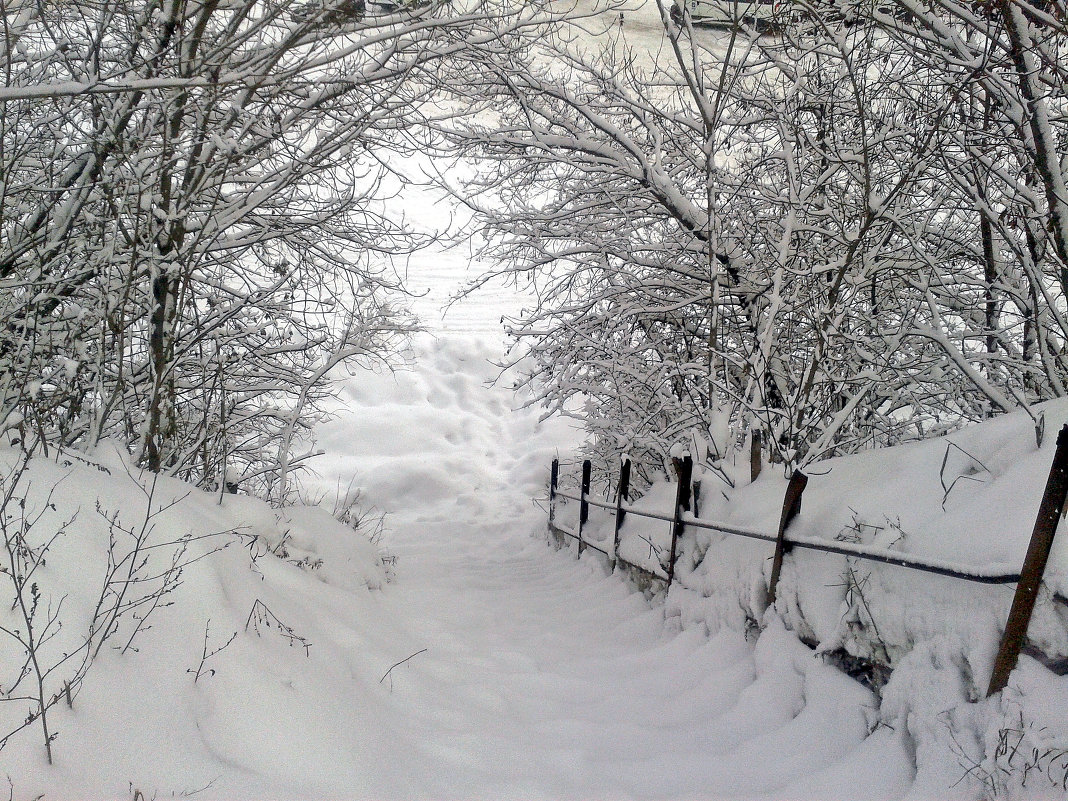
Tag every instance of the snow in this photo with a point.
(459, 656)
(968, 501)
(462, 657)
(528, 675)
(470, 660)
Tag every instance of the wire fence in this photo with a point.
(1027, 580)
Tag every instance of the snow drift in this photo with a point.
(969, 499)
(290, 658)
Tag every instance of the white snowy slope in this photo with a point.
(520, 672)
(966, 501)
(467, 659)
(530, 675)
(545, 678)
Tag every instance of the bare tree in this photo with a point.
(843, 234)
(197, 217)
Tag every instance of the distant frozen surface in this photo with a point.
(438, 278)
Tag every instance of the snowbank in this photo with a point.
(187, 626)
(970, 499)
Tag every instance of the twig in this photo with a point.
(398, 664)
(261, 614)
(205, 656)
(191, 793)
(942, 472)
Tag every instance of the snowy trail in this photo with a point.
(543, 677)
(545, 680)
(533, 675)
(517, 670)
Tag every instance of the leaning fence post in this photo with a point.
(682, 503)
(584, 504)
(554, 477)
(755, 461)
(1050, 511)
(622, 495)
(791, 506)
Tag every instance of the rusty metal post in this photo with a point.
(1050, 511)
(622, 495)
(755, 462)
(584, 504)
(554, 477)
(684, 468)
(791, 506)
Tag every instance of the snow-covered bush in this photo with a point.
(849, 234)
(108, 570)
(57, 622)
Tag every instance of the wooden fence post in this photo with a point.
(755, 462)
(584, 505)
(791, 506)
(554, 477)
(684, 467)
(1050, 511)
(622, 495)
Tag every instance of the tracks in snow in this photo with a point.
(545, 678)
(542, 676)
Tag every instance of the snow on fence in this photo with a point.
(1027, 580)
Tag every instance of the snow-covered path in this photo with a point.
(533, 675)
(543, 679)
(490, 667)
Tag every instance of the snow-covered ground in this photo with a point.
(461, 657)
(523, 672)
(530, 675)
(543, 677)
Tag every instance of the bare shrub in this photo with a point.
(141, 572)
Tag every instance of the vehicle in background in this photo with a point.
(349, 11)
(726, 13)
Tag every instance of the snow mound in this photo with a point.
(438, 435)
(172, 575)
(969, 499)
